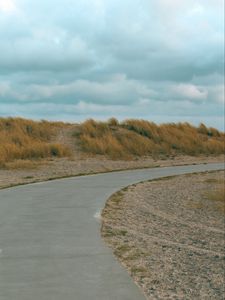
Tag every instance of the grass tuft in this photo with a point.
(22, 139)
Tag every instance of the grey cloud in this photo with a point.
(118, 90)
(33, 55)
(140, 58)
(131, 41)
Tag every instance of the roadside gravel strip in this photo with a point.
(50, 242)
(170, 236)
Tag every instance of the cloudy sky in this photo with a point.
(160, 60)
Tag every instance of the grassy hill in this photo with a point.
(142, 138)
(22, 139)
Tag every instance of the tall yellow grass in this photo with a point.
(141, 138)
(26, 139)
(22, 139)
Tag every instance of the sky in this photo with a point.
(160, 60)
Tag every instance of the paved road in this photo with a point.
(50, 244)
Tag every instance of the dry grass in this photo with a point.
(21, 164)
(218, 197)
(22, 139)
(27, 140)
(142, 138)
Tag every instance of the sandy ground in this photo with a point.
(170, 236)
(86, 165)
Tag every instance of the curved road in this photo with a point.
(50, 243)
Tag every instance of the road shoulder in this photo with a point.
(169, 236)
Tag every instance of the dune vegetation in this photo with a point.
(132, 138)
(22, 139)
(23, 143)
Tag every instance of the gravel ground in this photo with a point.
(81, 164)
(169, 236)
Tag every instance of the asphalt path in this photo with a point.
(50, 243)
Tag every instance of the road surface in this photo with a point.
(50, 243)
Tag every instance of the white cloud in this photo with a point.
(7, 6)
(116, 90)
(190, 91)
(197, 9)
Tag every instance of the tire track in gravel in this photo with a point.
(173, 219)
